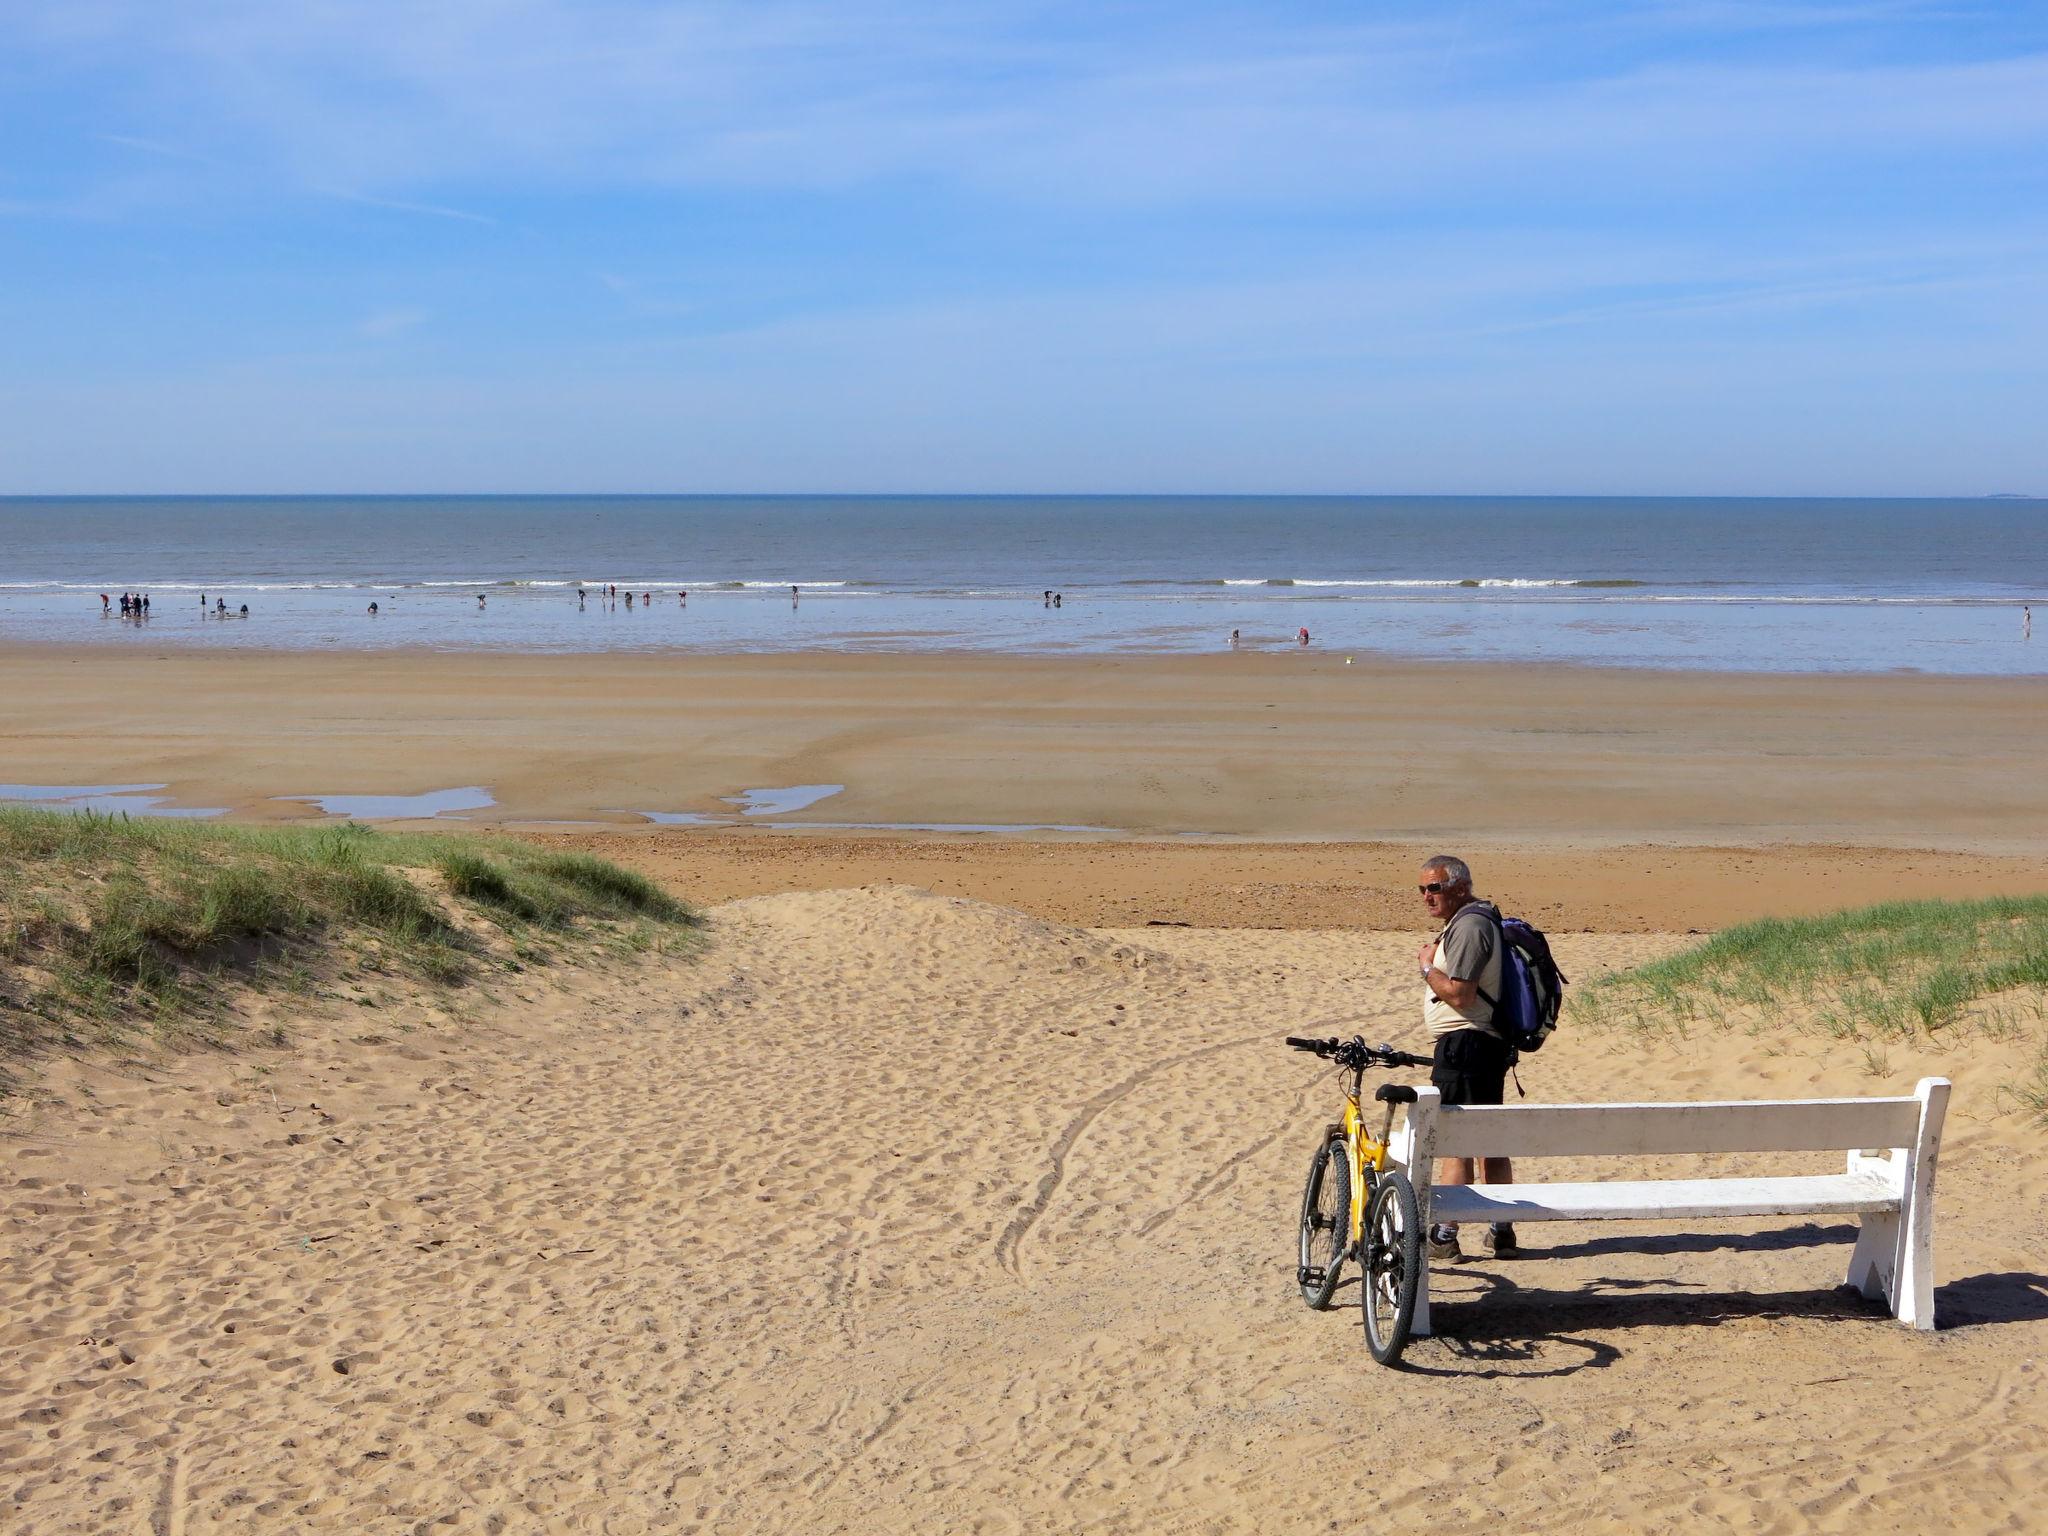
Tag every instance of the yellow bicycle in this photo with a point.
(1355, 1206)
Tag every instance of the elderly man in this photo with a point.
(1461, 972)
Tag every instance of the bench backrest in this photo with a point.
(1620, 1130)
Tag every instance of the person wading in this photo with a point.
(1461, 974)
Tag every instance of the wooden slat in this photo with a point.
(1835, 1194)
(1622, 1130)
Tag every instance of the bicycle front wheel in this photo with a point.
(1392, 1258)
(1325, 1224)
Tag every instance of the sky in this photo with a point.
(1721, 247)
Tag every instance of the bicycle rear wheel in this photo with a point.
(1325, 1223)
(1392, 1259)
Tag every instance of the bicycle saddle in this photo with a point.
(1394, 1093)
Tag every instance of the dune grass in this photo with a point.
(1870, 975)
(110, 925)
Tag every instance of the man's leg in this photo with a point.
(1458, 1170)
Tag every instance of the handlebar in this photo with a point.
(1357, 1055)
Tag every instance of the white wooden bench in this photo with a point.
(1891, 1195)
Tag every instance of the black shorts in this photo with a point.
(1471, 1067)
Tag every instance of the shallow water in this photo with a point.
(435, 802)
(695, 819)
(1764, 585)
(775, 802)
(130, 799)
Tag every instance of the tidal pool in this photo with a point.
(134, 799)
(435, 802)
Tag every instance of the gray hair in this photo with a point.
(1456, 871)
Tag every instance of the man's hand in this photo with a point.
(1426, 956)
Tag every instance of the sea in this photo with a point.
(1933, 586)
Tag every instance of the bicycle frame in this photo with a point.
(1368, 1152)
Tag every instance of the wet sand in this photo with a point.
(1261, 746)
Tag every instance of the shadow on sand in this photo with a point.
(2014, 1296)
(1492, 1324)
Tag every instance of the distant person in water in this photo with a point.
(1301, 635)
(1058, 598)
(220, 606)
(1048, 597)
(105, 602)
(245, 610)
(373, 609)
(1234, 637)
(629, 599)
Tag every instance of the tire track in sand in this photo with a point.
(1013, 1235)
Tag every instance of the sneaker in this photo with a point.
(1500, 1241)
(1443, 1242)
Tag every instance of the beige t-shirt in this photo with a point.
(1467, 950)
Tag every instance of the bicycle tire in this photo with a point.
(1391, 1258)
(1325, 1224)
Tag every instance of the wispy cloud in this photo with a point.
(401, 205)
(391, 322)
(154, 147)
(388, 97)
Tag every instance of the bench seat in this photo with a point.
(1832, 1194)
(1889, 1190)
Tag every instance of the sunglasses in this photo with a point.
(1435, 887)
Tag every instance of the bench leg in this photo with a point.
(1421, 1167)
(1875, 1259)
(1913, 1285)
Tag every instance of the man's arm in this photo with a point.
(1459, 994)
(1466, 950)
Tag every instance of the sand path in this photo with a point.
(900, 1212)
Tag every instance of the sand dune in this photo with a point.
(901, 1212)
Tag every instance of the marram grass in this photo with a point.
(110, 926)
(1868, 976)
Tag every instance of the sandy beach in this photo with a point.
(898, 1212)
(953, 1186)
(1252, 745)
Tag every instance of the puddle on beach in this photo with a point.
(942, 826)
(797, 797)
(435, 802)
(135, 799)
(752, 802)
(695, 819)
(775, 802)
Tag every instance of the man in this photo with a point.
(1461, 974)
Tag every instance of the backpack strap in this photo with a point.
(1500, 935)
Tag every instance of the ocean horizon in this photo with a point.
(1770, 584)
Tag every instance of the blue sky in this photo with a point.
(562, 245)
